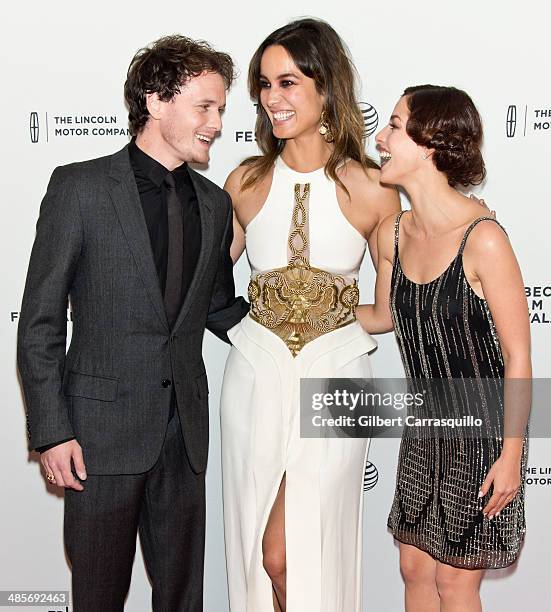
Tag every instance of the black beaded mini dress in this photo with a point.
(444, 330)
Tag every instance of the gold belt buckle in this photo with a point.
(299, 303)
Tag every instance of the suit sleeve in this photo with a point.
(226, 310)
(42, 331)
(43, 449)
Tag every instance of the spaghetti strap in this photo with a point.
(397, 234)
(472, 226)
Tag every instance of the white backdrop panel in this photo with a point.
(66, 61)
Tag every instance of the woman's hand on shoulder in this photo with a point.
(482, 202)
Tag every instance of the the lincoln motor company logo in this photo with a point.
(511, 124)
(538, 475)
(525, 121)
(56, 126)
(34, 127)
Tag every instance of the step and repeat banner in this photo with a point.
(63, 68)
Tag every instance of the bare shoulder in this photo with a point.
(388, 225)
(366, 188)
(354, 176)
(488, 239)
(235, 179)
(247, 202)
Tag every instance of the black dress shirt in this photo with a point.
(149, 175)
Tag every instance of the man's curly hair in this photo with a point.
(164, 67)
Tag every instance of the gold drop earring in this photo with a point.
(325, 129)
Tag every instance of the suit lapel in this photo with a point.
(126, 201)
(204, 200)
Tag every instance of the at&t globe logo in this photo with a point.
(371, 476)
(371, 118)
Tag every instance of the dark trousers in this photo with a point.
(166, 506)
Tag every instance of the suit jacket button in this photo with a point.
(166, 382)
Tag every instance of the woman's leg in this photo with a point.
(418, 570)
(273, 549)
(458, 588)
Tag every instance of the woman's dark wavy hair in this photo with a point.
(445, 119)
(319, 53)
(164, 67)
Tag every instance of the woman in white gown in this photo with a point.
(305, 211)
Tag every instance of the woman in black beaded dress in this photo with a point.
(459, 501)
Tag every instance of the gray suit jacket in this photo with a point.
(112, 390)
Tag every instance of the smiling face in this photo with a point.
(184, 128)
(288, 96)
(401, 157)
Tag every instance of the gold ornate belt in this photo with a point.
(298, 302)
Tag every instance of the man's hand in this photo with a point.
(57, 463)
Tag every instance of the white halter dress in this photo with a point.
(299, 234)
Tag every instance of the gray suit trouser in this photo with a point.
(166, 506)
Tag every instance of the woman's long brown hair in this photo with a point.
(320, 54)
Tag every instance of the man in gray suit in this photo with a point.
(139, 242)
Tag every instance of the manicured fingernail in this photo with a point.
(497, 514)
(82, 475)
(484, 514)
(491, 516)
(480, 494)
